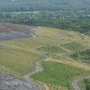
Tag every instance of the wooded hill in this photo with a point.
(45, 5)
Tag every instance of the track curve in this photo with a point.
(75, 83)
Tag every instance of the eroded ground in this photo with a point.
(8, 82)
(11, 31)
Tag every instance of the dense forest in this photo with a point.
(64, 14)
(50, 19)
(45, 5)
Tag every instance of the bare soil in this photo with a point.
(10, 31)
(8, 82)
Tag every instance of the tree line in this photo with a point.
(76, 22)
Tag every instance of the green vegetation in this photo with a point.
(51, 19)
(87, 84)
(70, 15)
(51, 50)
(59, 74)
(45, 5)
(74, 46)
(83, 55)
(68, 44)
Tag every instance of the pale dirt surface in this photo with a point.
(8, 82)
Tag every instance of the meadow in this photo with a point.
(18, 61)
(51, 50)
(57, 74)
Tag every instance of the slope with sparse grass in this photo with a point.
(17, 60)
(51, 50)
(18, 56)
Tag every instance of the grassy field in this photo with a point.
(51, 50)
(74, 46)
(61, 75)
(18, 61)
(18, 56)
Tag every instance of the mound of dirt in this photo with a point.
(12, 31)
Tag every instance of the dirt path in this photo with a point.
(8, 82)
(37, 69)
(75, 83)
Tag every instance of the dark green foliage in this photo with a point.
(75, 22)
(65, 14)
(83, 55)
(74, 46)
(45, 5)
(87, 84)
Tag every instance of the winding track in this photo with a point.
(8, 82)
(75, 83)
(37, 69)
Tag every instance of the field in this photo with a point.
(58, 74)
(17, 57)
(51, 50)
(18, 61)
